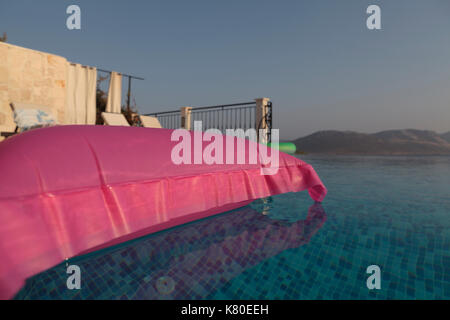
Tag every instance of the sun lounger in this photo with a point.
(7, 134)
(150, 122)
(29, 116)
(115, 119)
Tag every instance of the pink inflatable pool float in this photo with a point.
(69, 190)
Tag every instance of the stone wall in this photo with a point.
(30, 76)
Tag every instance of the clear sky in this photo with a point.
(316, 60)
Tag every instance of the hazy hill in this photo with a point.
(392, 142)
(446, 136)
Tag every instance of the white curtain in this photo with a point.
(114, 93)
(81, 94)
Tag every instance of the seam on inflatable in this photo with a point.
(118, 184)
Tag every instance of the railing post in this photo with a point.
(186, 117)
(260, 116)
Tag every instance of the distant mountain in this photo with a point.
(446, 136)
(392, 142)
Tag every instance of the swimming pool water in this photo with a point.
(393, 212)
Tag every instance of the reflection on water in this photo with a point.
(219, 249)
(188, 262)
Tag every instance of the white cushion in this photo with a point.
(27, 119)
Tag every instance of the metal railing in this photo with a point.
(221, 117)
(228, 116)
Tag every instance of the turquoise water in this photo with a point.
(393, 212)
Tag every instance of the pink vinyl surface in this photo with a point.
(69, 190)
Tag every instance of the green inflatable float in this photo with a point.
(286, 147)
